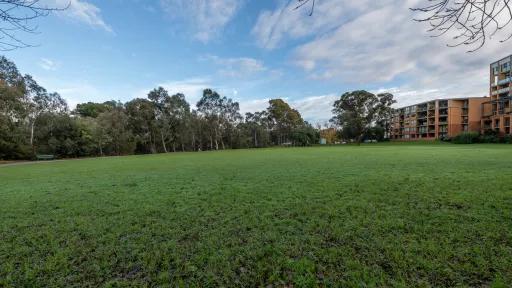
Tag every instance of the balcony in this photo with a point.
(503, 90)
(504, 81)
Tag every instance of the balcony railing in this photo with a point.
(504, 81)
(503, 90)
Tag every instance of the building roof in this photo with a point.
(441, 99)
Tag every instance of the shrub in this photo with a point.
(507, 139)
(466, 138)
(490, 136)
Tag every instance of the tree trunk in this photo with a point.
(173, 147)
(360, 139)
(101, 149)
(255, 139)
(151, 144)
(32, 133)
(211, 142)
(222, 142)
(163, 142)
(216, 140)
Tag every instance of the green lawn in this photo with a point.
(375, 215)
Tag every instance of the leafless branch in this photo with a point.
(304, 2)
(468, 22)
(17, 16)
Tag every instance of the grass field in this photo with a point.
(375, 215)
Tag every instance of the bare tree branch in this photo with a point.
(467, 22)
(304, 2)
(16, 16)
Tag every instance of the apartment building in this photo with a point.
(437, 119)
(497, 112)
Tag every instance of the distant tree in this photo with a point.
(196, 129)
(13, 112)
(221, 113)
(158, 96)
(257, 126)
(210, 107)
(359, 111)
(177, 111)
(113, 134)
(283, 119)
(305, 135)
(17, 16)
(91, 109)
(40, 102)
(142, 119)
(230, 117)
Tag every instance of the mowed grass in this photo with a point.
(375, 215)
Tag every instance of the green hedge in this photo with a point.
(466, 138)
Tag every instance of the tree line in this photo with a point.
(34, 121)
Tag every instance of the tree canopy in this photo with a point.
(34, 121)
(359, 111)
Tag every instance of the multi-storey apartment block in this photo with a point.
(438, 119)
(497, 112)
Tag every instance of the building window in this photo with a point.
(505, 67)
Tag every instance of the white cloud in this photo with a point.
(76, 93)
(236, 67)
(253, 105)
(81, 11)
(48, 65)
(192, 88)
(312, 108)
(315, 108)
(378, 44)
(273, 28)
(207, 18)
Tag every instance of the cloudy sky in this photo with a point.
(251, 51)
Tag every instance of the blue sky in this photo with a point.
(251, 51)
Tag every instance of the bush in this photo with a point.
(466, 138)
(490, 136)
(507, 139)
